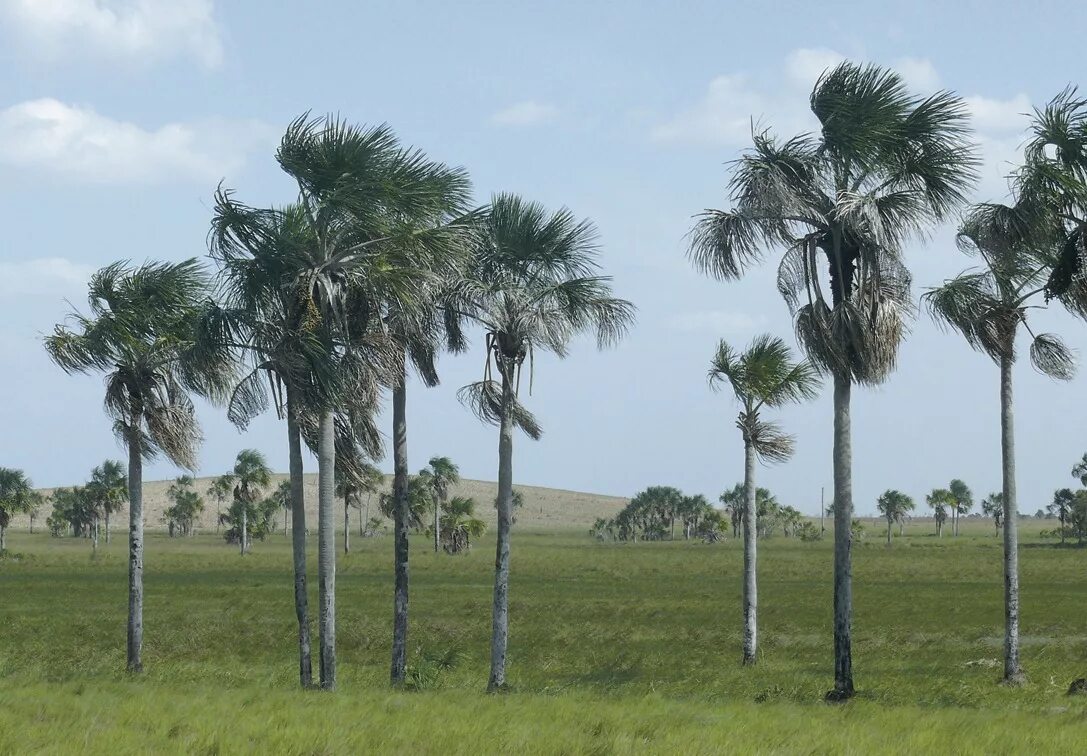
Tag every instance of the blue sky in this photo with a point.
(118, 119)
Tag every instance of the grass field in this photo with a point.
(614, 648)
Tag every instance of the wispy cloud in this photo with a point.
(527, 113)
(78, 143)
(117, 29)
(43, 275)
(719, 322)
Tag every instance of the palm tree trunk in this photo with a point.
(750, 541)
(107, 527)
(346, 524)
(500, 612)
(94, 542)
(245, 523)
(298, 546)
(1013, 673)
(326, 546)
(889, 524)
(843, 560)
(399, 667)
(3, 538)
(135, 545)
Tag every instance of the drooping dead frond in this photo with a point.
(484, 399)
(770, 442)
(1052, 357)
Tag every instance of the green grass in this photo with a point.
(614, 648)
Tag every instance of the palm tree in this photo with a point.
(1064, 501)
(441, 473)
(532, 285)
(16, 496)
(37, 499)
(885, 166)
(993, 506)
(987, 306)
(895, 506)
(460, 525)
(940, 500)
(141, 335)
(221, 489)
(251, 476)
(764, 375)
(108, 486)
(1079, 471)
(962, 501)
(187, 506)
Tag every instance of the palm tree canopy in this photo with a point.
(141, 333)
(885, 166)
(442, 474)
(15, 494)
(1079, 470)
(108, 486)
(987, 305)
(961, 495)
(252, 474)
(764, 374)
(894, 505)
(533, 283)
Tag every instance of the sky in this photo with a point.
(118, 119)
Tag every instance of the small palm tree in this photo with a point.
(109, 488)
(885, 167)
(1079, 471)
(988, 306)
(532, 285)
(460, 525)
(895, 506)
(16, 497)
(140, 334)
(252, 476)
(1064, 501)
(993, 506)
(962, 502)
(940, 500)
(765, 375)
(440, 475)
(221, 489)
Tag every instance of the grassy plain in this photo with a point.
(615, 648)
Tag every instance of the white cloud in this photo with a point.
(76, 142)
(806, 65)
(720, 322)
(525, 113)
(43, 275)
(119, 29)
(918, 73)
(723, 116)
(992, 116)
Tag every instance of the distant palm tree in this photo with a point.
(16, 496)
(221, 489)
(532, 285)
(940, 500)
(141, 335)
(109, 489)
(993, 506)
(765, 375)
(987, 306)
(885, 166)
(440, 474)
(1064, 501)
(251, 475)
(962, 502)
(895, 506)
(1079, 471)
(460, 525)
(37, 500)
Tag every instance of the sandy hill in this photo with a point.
(545, 508)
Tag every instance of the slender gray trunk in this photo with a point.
(326, 546)
(843, 535)
(3, 538)
(245, 524)
(298, 546)
(1013, 673)
(889, 524)
(750, 544)
(135, 546)
(346, 524)
(500, 614)
(107, 528)
(94, 540)
(399, 668)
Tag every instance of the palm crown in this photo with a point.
(764, 375)
(885, 166)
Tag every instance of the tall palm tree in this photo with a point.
(108, 487)
(141, 335)
(441, 474)
(940, 500)
(1064, 499)
(532, 284)
(251, 476)
(765, 375)
(885, 167)
(962, 502)
(993, 506)
(895, 506)
(16, 496)
(987, 306)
